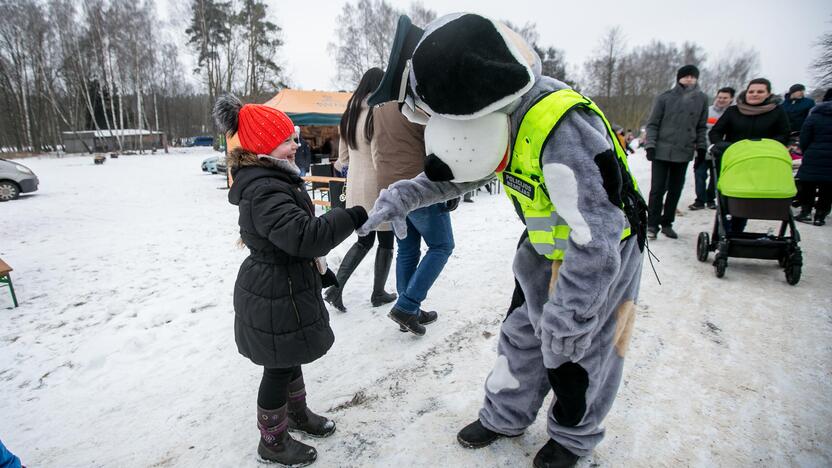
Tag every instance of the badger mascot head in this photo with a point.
(461, 77)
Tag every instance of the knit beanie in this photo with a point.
(687, 70)
(259, 128)
(796, 87)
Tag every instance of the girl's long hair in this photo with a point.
(369, 83)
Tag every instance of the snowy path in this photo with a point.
(122, 352)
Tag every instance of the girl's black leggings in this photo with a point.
(385, 239)
(274, 386)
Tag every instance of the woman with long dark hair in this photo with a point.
(362, 190)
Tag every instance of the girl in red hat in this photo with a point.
(280, 319)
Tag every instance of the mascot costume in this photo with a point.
(477, 87)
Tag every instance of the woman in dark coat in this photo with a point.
(815, 173)
(280, 319)
(756, 115)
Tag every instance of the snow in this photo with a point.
(122, 350)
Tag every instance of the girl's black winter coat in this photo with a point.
(280, 317)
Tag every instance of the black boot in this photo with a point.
(554, 455)
(348, 265)
(409, 321)
(805, 215)
(475, 435)
(301, 418)
(276, 445)
(384, 258)
(425, 317)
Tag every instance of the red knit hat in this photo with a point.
(261, 128)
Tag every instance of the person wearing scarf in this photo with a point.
(757, 114)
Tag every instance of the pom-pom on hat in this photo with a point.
(259, 128)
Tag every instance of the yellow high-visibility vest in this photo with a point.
(523, 177)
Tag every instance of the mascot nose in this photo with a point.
(436, 170)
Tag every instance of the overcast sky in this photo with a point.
(784, 33)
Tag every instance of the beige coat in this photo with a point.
(362, 186)
(398, 146)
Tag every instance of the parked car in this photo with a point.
(15, 178)
(221, 166)
(210, 165)
(202, 141)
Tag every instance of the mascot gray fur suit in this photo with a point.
(477, 88)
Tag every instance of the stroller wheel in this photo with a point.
(702, 244)
(793, 274)
(782, 262)
(720, 264)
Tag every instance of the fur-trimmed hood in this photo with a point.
(239, 158)
(247, 166)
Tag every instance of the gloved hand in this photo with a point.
(389, 207)
(700, 158)
(328, 279)
(567, 336)
(452, 204)
(651, 153)
(358, 215)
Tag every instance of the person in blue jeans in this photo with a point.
(705, 189)
(415, 275)
(398, 153)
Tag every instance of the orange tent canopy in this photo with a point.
(311, 107)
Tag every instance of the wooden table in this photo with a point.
(322, 180)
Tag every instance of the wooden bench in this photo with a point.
(6, 279)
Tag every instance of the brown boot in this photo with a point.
(276, 445)
(301, 418)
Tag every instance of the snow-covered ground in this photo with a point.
(122, 350)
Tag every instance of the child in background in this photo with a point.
(280, 319)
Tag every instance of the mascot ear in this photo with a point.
(394, 82)
(436, 170)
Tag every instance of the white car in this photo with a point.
(210, 164)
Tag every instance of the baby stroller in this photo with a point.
(755, 181)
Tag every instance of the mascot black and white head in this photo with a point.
(461, 77)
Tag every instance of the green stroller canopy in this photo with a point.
(757, 169)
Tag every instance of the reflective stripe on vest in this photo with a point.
(523, 176)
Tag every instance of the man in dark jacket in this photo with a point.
(675, 132)
(797, 106)
(815, 173)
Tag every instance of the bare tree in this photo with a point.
(420, 15)
(365, 35)
(735, 67)
(600, 70)
(822, 66)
